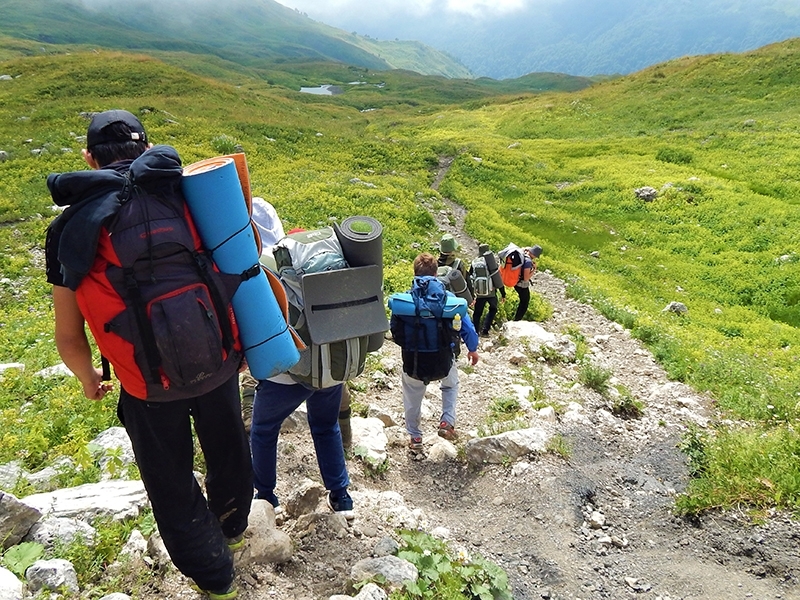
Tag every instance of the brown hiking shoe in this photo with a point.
(415, 445)
(447, 431)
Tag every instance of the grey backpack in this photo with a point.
(329, 306)
(481, 278)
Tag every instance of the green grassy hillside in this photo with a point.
(717, 137)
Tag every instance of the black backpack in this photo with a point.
(157, 307)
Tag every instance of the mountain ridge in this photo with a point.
(246, 32)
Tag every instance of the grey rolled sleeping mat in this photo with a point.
(459, 285)
(361, 239)
(491, 265)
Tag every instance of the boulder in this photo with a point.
(16, 519)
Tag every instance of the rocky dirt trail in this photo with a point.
(596, 524)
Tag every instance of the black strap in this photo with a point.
(145, 327)
(220, 306)
(344, 304)
(253, 271)
(106, 376)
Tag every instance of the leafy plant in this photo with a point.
(694, 445)
(372, 467)
(624, 404)
(560, 446)
(581, 346)
(18, 558)
(442, 576)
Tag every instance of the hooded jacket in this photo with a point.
(92, 197)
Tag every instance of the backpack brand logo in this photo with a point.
(153, 232)
(202, 376)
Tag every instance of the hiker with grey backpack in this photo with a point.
(336, 309)
(429, 324)
(486, 282)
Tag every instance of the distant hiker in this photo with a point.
(517, 267)
(429, 331)
(124, 258)
(448, 260)
(484, 285)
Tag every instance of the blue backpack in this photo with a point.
(422, 325)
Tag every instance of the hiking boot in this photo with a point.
(447, 431)
(342, 504)
(484, 334)
(272, 499)
(235, 543)
(224, 594)
(415, 445)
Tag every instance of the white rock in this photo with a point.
(59, 370)
(52, 575)
(10, 587)
(117, 499)
(369, 439)
(442, 451)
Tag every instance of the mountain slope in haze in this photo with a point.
(584, 37)
(246, 31)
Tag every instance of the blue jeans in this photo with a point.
(414, 391)
(273, 403)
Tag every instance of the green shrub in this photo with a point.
(625, 405)
(678, 156)
(594, 377)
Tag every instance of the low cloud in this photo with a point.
(367, 9)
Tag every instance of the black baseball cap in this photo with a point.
(100, 133)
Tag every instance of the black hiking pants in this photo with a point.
(193, 529)
(480, 303)
(524, 300)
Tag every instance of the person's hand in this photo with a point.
(95, 388)
(473, 358)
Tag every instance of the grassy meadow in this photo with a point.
(717, 137)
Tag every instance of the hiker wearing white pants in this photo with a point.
(414, 392)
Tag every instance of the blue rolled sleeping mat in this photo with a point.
(402, 305)
(361, 239)
(216, 202)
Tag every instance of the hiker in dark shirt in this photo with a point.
(447, 258)
(530, 256)
(482, 302)
(199, 534)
